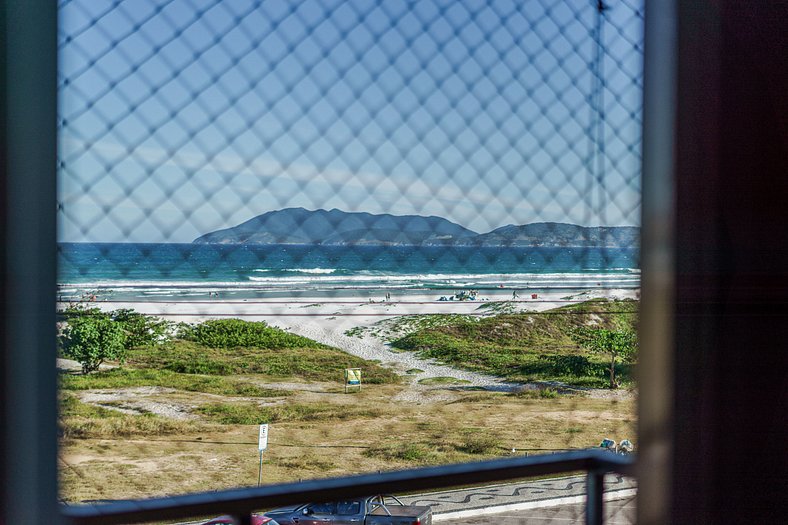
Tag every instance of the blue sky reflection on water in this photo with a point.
(180, 117)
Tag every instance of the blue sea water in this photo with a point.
(167, 271)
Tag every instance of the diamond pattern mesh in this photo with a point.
(184, 120)
(179, 118)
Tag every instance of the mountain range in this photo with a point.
(340, 228)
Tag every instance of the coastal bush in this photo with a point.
(78, 310)
(480, 444)
(231, 333)
(614, 345)
(410, 452)
(91, 340)
(141, 329)
(576, 365)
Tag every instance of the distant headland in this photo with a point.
(339, 228)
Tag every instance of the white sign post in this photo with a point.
(262, 444)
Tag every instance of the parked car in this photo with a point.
(257, 519)
(371, 510)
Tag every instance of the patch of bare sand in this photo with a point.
(165, 402)
(314, 386)
(70, 365)
(424, 395)
(575, 415)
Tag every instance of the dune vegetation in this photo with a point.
(529, 346)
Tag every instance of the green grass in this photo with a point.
(525, 347)
(320, 363)
(408, 452)
(442, 381)
(499, 307)
(253, 414)
(480, 443)
(389, 329)
(126, 378)
(438, 448)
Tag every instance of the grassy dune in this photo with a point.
(527, 347)
(313, 363)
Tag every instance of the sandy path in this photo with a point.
(371, 348)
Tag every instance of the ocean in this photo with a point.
(166, 272)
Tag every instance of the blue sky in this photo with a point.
(181, 117)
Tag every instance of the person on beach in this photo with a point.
(514, 295)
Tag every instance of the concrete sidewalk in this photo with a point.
(493, 499)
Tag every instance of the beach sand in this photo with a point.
(327, 319)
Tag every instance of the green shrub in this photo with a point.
(231, 333)
(78, 310)
(614, 345)
(411, 452)
(201, 365)
(573, 365)
(481, 444)
(91, 340)
(141, 329)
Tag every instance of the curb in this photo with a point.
(545, 503)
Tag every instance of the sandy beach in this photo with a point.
(328, 318)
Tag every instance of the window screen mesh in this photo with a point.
(347, 169)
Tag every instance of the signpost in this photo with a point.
(262, 444)
(352, 378)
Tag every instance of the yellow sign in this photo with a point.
(352, 378)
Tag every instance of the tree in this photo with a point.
(92, 339)
(617, 345)
(141, 329)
